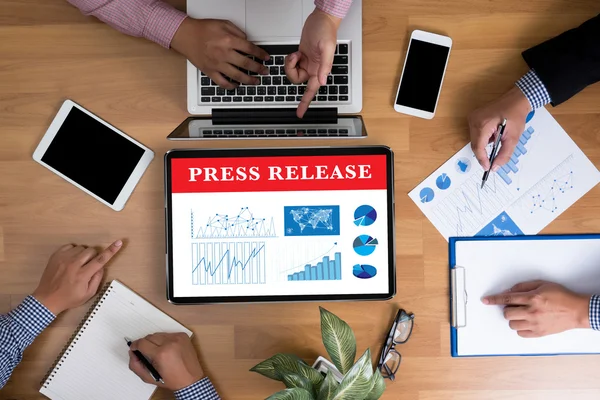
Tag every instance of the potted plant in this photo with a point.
(355, 381)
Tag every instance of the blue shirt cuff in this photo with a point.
(201, 390)
(595, 313)
(534, 89)
(33, 316)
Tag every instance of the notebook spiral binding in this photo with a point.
(76, 335)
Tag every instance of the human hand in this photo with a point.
(314, 58)
(215, 47)
(484, 122)
(540, 308)
(72, 276)
(172, 355)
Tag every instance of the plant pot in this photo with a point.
(325, 366)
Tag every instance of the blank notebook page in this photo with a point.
(493, 266)
(96, 363)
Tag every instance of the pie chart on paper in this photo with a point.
(364, 271)
(365, 216)
(365, 245)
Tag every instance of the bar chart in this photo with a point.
(511, 165)
(326, 270)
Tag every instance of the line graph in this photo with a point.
(546, 195)
(222, 263)
(469, 207)
(243, 225)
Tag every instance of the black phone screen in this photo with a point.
(423, 75)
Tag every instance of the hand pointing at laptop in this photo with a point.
(218, 47)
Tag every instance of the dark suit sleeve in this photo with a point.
(569, 62)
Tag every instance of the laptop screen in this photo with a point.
(195, 128)
(280, 226)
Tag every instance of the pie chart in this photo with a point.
(364, 216)
(364, 245)
(443, 181)
(426, 195)
(364, 271)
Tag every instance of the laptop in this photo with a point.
(276, 26)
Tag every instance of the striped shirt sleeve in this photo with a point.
(337, 8)
(152, 19)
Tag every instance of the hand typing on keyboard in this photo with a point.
(314, 58)
(214, 46)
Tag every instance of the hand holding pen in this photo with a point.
(494, 151)
(170, 360)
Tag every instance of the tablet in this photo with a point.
(260, 225)
(93, 155)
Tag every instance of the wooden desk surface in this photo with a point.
(49, 52)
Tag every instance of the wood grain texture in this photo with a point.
(50, 52)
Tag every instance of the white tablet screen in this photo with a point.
(274, 226)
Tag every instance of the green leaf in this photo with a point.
(339, 340)
(294, 380)
(378, 386)
(328, 388)
(357, 383)
(311, 374)
(292, 394)
(287, 361)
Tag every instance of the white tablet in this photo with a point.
(293, 224)
(93, 155)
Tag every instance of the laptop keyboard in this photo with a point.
(276, 88)
(253, 133)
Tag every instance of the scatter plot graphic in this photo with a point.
(242, 224)
(426, 195)
(443, 181)
(548, 195)
(364, 271)
(223, 263)
(463, 165)
(365, 245)
(365, 215)
(502, 225)
(312, 220)
(548, 201)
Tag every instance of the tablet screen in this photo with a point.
(93, 155)
(280, 226)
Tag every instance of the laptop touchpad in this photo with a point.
(273, 18)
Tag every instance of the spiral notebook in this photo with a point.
(95, 364)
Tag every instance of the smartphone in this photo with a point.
(423, 74)
(93, 155)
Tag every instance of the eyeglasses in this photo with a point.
(389, 360)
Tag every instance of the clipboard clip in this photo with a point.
(458, 297)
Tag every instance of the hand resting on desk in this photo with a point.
(540, 308)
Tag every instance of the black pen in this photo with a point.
(494, 152)
(155, 375)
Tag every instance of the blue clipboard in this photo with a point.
(456, 280)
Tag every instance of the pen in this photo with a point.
(486, 174)
(146, 363)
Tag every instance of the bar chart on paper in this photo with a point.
(328, 269)
(545, 175)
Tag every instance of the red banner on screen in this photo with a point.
(275, 174)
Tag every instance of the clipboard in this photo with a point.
(459, 296)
